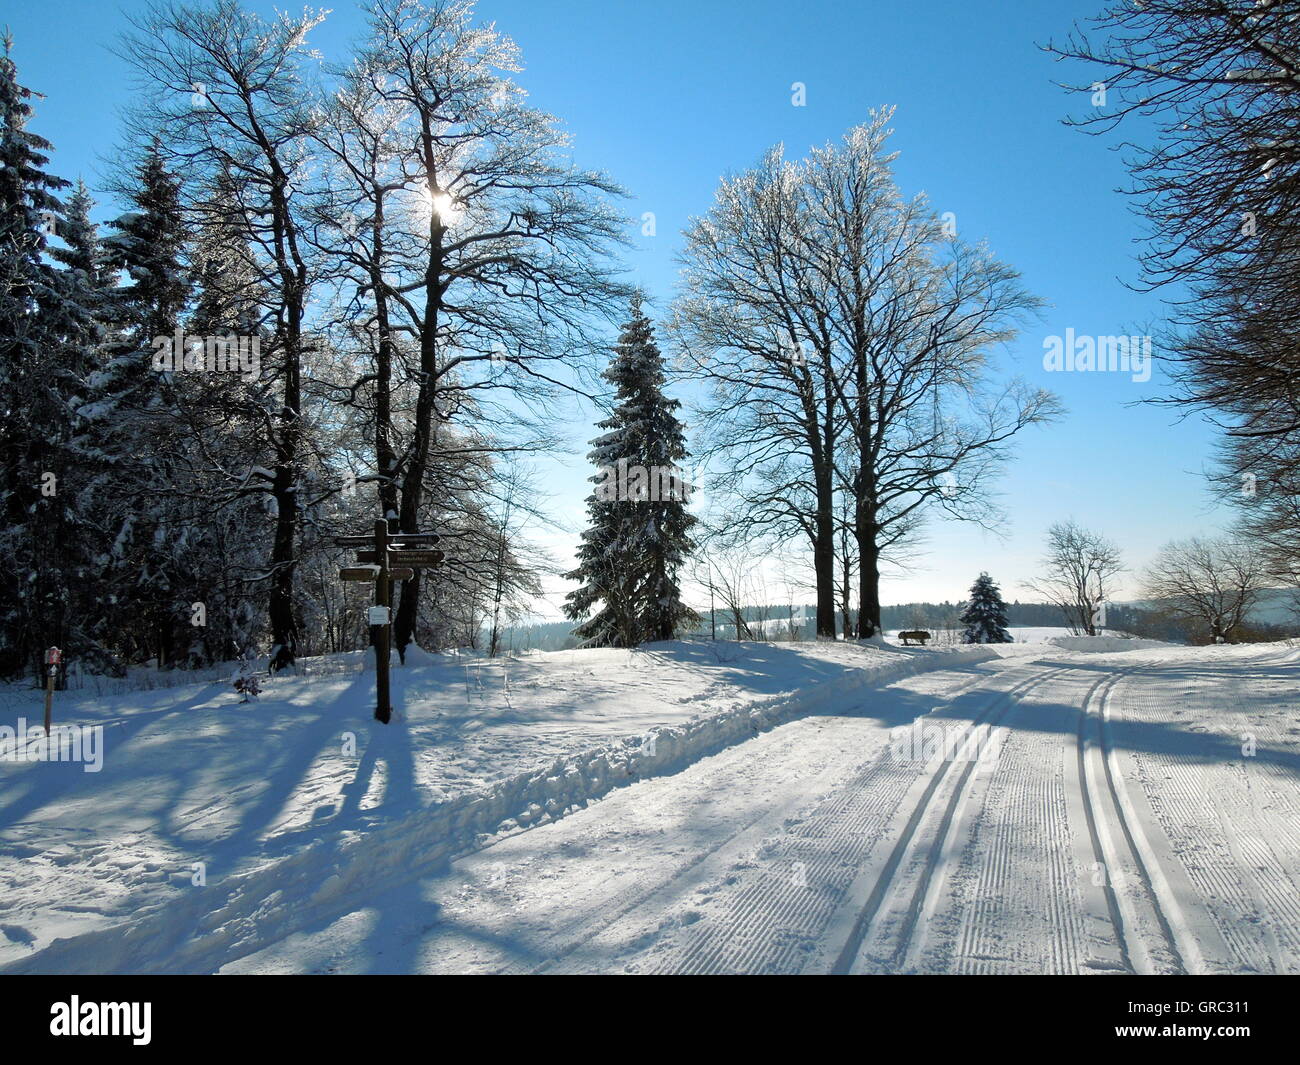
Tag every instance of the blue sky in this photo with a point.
(669, 96)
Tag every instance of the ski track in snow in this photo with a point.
(1115, 826)
(1232, 829)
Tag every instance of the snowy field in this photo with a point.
(283, 792)
(756, 813)
(1058, 636)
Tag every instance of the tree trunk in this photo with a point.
(864, 497)
(824, 553)
(284, 488)
(868, 572)
(284, 628)
(385, 458)
(423, 433)
(498, 595)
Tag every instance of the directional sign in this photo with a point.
(371, 573)
(416, 558)
(406, 558)
(395, 539)
(360, 573)
(381, 557)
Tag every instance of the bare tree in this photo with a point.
(726, 573)
(846, 558)
(1260, 476)
(845, 333)
(1220, 188)
(509, 261)
(353, 232)
(227, 103)
(1213, 581)
(1219, 77)
(1079, 574)
(515, 563)
(752, 326)
(914, 314)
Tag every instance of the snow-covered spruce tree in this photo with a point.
(639, 534)
(134, 420)
(48, 340)
(73, 513)
(149, 245)
(143, 428)
(985, 616)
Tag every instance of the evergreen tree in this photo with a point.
(985, 616)
(49, 335)
(139, 426)
(639, 533)
(149, 246)
(230, 290)
(76, 516)
(83, 252)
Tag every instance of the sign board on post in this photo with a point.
(382, 565)
(370, 573)
(397, 540)
(406, 558)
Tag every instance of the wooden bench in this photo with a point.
(914, 635)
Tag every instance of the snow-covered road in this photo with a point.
(1135, 812)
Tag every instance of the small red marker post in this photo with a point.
(52, 659)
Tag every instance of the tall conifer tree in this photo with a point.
(639, 533)
(45, 328)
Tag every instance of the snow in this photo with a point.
(1104, 642)
(688, 806)
(810, 849)
(299, 795)
(1062, 637)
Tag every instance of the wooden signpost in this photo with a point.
(386, 560)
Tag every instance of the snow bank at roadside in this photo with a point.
(196, 929)
(1105, 643)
